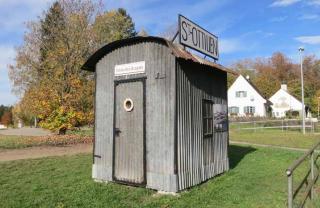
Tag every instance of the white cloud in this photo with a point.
(230, 45)
(312, 40)
(14, 13)
(314, 2)
(310, 17)
(166, 13)
(278, 19)
(283, 3)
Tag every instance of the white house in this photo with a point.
(283, 102)
(244, 99)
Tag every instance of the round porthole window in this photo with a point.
(128, 105)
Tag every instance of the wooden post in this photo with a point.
(312, 173)
(282, 124)
(290, 192)
(312, 123)
(254, 126)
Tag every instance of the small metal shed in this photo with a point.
(160, 115)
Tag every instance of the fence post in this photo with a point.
(313, 123)
(312, 173)
(254, 126)
(282, 124)
(290, 192)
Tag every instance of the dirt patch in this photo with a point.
(44, 151)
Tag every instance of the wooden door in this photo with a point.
(129, 132)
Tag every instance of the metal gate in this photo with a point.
(129, 132)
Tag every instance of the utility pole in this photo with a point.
(301, 49)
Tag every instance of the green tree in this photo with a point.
(113, 25)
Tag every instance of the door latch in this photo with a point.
(117, 131)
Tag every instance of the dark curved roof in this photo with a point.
(176, 51)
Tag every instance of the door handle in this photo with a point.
(117, 131)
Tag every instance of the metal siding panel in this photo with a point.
(198, 159)
(103, 122)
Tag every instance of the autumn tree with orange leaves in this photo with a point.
(48, 74)
(269, 73)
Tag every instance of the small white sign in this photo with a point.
(131, 68)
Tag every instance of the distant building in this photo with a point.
(20, 123)
(284, 102)
(244, 99)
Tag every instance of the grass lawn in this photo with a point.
(276, 137)
(256, 179)
(13, 142)
(86, 131)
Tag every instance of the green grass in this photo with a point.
(256, 179)
(276, 137)
(13, 142)
(82, 132)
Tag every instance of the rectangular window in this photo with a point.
(207, 115)
(233, 110)
(240, 94)
(249, 110)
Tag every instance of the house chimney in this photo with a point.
(284, 87)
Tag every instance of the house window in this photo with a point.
(241, 94)
(249, 109)
(207, 114)
(233, 110)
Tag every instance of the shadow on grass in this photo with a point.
(237, 153)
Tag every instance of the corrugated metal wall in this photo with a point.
(160, 108)
(198, 158)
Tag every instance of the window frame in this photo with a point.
(207, 119)
(241, 92)
(249, 110)
(231, 110)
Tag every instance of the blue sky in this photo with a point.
(246, 28)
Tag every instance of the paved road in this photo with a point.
(25, 131)
(45, 151)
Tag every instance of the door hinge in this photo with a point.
(160, 76)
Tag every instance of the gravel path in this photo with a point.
(44, 151)
(26, 131)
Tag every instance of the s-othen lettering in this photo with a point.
(184, 35)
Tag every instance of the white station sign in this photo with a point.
(195, 37)
(131, 68)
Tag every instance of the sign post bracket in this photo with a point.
(175, 36)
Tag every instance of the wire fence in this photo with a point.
(279, 124)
